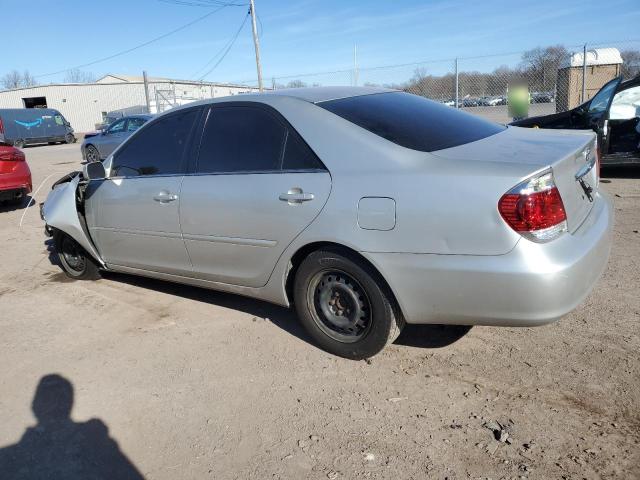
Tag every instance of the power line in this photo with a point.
(129, 50)
(224, 50)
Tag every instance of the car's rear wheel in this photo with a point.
(74, 260)
(92, 154)
(19, 143)
(345, 306)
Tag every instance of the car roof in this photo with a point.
(324, 94)
(307, 94)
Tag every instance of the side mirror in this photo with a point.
(94, 171)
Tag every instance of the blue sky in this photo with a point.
(301, 36)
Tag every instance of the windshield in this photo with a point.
(412, 121)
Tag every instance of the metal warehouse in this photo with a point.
(86, 105)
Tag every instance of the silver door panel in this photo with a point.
(236, 226)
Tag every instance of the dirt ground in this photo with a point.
(195, 384)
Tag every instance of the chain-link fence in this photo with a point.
(554, 78)
(557, 77)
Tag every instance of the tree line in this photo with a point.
(538, 67)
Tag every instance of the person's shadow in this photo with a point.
(59, 448)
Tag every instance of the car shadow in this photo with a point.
(421, 336)
(431, 336)
(58, 447)
(620, 171)
(10, 207)
(282, 317)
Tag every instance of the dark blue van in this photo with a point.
(24, 126)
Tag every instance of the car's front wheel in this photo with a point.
(92, 154)
(345, 306)
(74, 260)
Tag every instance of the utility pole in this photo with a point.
(256, 44)
(146, 90)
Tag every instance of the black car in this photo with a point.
(618, 129)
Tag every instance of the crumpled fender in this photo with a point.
(60, 212)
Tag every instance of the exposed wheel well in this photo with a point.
(350, 253)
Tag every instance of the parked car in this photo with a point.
(365, 208)
(26, 126)
(99, 145)
(470, 102)
(541, 97)
(15, 176)
(618, 128)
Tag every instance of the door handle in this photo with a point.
(295, 196)
(165, 197)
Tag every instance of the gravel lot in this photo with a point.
(197, 384)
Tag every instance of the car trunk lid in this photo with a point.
(570, 154)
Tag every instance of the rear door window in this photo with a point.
(157, 149)
(412, 121)
(241, 139)
(298, 155)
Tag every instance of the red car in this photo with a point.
(15, 176)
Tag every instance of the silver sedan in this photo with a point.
(364, 208)
(98, 146)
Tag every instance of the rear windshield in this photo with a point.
(412, 121)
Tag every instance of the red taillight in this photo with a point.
(11, 154)
(534, 209)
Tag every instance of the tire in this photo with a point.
(91, 154)
(345, 305)
(74, 260)
(69, 138)
(19, 143)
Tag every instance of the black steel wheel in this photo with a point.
(345, 305)
(341, 306)
(74, 260)
(69, 138)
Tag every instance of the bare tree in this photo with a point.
(540, 65)
(28, 80)
(79, 76)
(296, 84)
(630, 63)
(15, 79)
(12, 80)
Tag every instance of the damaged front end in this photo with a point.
(63, 211)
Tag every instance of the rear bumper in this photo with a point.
(12, 194)
(532, 285)
(17, 180)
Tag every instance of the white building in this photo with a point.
(85, 105)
